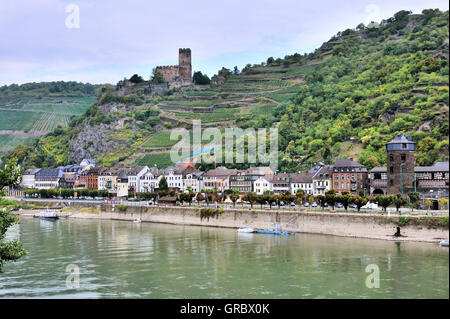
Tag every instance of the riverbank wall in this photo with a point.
(372, 226)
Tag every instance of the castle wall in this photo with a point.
(169, 73)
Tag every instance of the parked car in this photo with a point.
(314, 204)
(352, 205)
(274, 204)
(292, 204)
(281, 203)
(339, 205)
(306, 205)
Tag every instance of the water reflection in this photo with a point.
(125, 259)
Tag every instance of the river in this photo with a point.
(118, 259)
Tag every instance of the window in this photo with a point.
(403, 157)
(391, 169)
(391, 182)
(404, 145)
(391, 158)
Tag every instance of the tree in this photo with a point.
(442, 202)
(136, 79)
(10, 176)
(330, 197)
(344, 199)
(428, 203)
(157, 77)
(310, 200)
(322, 201)
(163, 187)
(234, 198)
(200, 78)
(359, 201)
(300, 196)
(250, 198)
(261, 199)
(414, 197)
(200, 198)
(399, 201)
(384, 200)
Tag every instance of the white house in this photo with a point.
(262, 184)
(29, 178)
(149, 181)
(322, 180)
(301, 181)
(134, 177)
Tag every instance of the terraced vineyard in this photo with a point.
(24, 118)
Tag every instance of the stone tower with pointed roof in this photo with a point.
(400, 163)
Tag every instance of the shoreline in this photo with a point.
(368, 226)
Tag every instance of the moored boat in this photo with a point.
(245, 229)
(47, 214)
(444, 243)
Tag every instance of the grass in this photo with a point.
(160, 139)
(160, 159)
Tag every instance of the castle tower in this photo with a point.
(400, 164)
(184, 64)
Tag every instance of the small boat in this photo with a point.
(47, 215)
(444, 243)
(245, 230)
(276, 231)
(137, 220)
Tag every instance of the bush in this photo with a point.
(122, 208)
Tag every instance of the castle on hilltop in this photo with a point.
(181, 74)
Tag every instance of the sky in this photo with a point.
(103, 41)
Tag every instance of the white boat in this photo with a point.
(245, 230)
(137, 220)
(47, 214)
(444, 243)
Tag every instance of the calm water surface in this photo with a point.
(126, 260)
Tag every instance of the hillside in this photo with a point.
(346, 99)
(31, 110)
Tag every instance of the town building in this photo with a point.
(303, 181)
(322, 180)
(28, 178)
(149, 182)
(134, 177)
(107, 179)
(218, 178)
(280, 183)
(122, 183)
(243, 180)
(47, 178)
(349, 177)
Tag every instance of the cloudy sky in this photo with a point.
(43, 40)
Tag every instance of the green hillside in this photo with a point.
(31, 110)
(346, 99)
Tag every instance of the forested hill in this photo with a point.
(346, 99)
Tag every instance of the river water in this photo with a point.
(118, 259)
